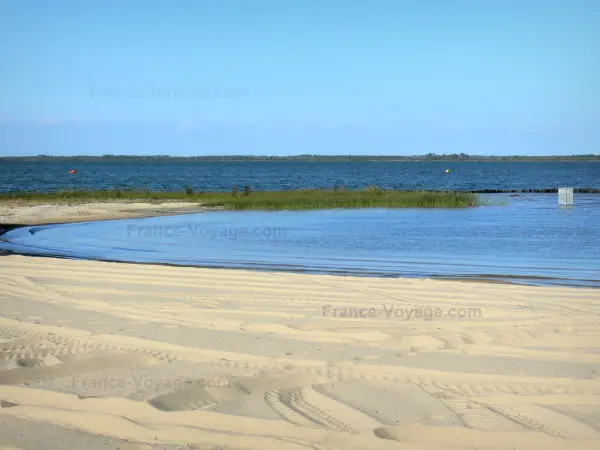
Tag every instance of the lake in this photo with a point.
(525, 239)
(275, 175)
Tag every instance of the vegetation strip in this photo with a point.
(371, 197)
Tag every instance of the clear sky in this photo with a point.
(284, 77)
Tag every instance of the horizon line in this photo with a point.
(303, 155)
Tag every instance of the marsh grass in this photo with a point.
(370, 197)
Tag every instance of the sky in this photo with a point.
(199, 77)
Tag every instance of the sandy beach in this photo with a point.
(110, 355)
(22, 213)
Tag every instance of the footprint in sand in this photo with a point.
(48, 360)
(5, 404)
(367, 358)
(205, 393)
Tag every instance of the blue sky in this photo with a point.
(328, 77)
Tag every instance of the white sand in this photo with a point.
(35, 214)
(199, 358)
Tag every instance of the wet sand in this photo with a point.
(108, 355)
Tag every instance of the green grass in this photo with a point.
(370, 197)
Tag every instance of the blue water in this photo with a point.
(275, 175)
(525, 239)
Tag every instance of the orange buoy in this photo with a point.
(72, 171)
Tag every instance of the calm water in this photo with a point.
(514, 238)
(221, 176)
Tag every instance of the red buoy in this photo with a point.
(72, 171)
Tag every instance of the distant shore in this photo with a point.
(431, 157)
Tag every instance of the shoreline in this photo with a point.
(108, 211)
(490, 279)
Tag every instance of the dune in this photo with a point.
(148, 357)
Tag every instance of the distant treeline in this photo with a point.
(305, 157)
